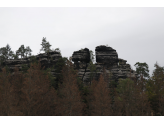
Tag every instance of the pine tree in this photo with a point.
(155, 90)
(142, 70)
(70, 103)
(21, 51)
(130, 100)
(91, 56)
(5, 94)
(28, 51)
(40, 97)
(58, 67)
(6, 53)
(100, 105)
(45, 45)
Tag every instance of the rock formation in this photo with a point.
(106, 60)
(81, 59)
(47, 60)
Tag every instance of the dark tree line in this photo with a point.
(33, 94)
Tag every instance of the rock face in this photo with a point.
(81, 59)
(106, 60)
(48, 60)
(106, 55)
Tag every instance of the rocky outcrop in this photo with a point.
(106, 55)
(106, 60)
(81, 59)
(47, 60)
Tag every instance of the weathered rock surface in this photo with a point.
(81, 59)
(47, 60)
(106, 55)
(106, 60)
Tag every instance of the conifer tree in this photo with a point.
(5, 94)
(21, 51)
(155, 90)
(40, 97)
(28, 51)
(100, 105)
(130, 100)
(142, 70)
(18, 96)
(6, 53)
(45, 45)
(70, 99)
(92, 66)
(58, 67)
(91, 56)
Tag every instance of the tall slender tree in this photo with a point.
(21, 51)
(91, 56)
(28, 51)
(142, 70)
(45, 45)
(155, 90)
(40, 97)
(101, 102)
(70, 99)
(9, 51)
(5, 94)
(58, 67)
(6, 52)
(92, 66)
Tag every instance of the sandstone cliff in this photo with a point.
(106, 59)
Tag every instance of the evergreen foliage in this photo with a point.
(70, 99)
(93, 70)
(142, 70)
(6, 53)
(100, 103)
(25, 67)
(45, 46)
(92, 56)
(58, 67)
(22, 51)
(155, 90)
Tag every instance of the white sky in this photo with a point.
(135, 33)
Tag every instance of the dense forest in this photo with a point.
(34, 92)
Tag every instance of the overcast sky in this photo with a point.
(137, 34)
